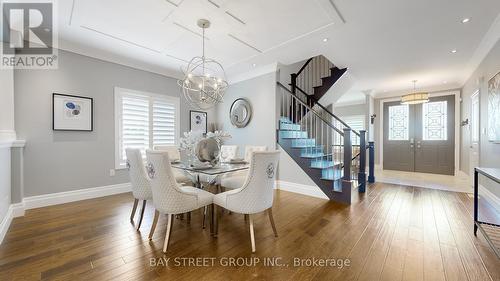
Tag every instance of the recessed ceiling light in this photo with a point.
(254, 65)
(465, 20)
(444, 82)
(453, 51)
(46, 29)
(325, 39)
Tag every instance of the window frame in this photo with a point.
(119, 93)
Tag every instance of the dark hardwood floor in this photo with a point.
(392, 233)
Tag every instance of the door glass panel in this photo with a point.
(475, 118)
(398, 122)
(434, 119)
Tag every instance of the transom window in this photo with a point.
(143, 120)
(398, 122)
(434, 120)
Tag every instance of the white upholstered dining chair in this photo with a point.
(174, 155)
(256, 194)
(228, 152)
(168, 196)
(236, 180)
(141, 186)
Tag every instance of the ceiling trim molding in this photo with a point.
(244, 43)
(253, 73)
(71, 13)
(95, 54)
(398, 94)
(349, 103)
(119, 39)
(489, 41)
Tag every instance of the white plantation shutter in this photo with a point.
(163, 123)
(142, 121)
(357, 123)
(135, 124)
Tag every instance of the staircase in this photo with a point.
(325, 147)
(315, 78)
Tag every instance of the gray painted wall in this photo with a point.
(489, 152)
(261, 130)
(65, 161)
(7, 102)
(348, 110)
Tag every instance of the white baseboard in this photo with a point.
(39, 201)
(490, 197)
(32, 202)
(5, 224)
(309, 190)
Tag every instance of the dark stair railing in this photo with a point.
(316, 77)
(328, 141)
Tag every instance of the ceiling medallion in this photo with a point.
(204, 82)
(415, 98)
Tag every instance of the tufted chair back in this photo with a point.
(173, 151)
(228, 152)
(256, 194)
(168, 197)
(249, 149)
(141, 187)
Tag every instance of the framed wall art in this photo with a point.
(198, 121)
(72, 113)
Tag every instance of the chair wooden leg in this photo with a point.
(136, 201)
(216, 225)
(204, 217)
(153, 226)
(271, 219)
(211, 219)
(246, 217)
(252, 236)
(170, 218)
(142, 214)
(188, 217)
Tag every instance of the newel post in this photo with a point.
(371, 164)
(362, 161)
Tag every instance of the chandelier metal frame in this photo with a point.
(204, 82)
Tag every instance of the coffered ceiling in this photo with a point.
(385, 43)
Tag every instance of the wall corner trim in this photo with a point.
(309, 190)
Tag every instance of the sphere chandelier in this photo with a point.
(204, 82)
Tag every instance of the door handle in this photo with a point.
(418, 144)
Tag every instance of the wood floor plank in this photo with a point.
(391, 232)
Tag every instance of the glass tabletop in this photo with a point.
(216, 170)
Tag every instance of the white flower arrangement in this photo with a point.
(189, 140)
(219, 136)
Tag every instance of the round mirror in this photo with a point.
(240, 113)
